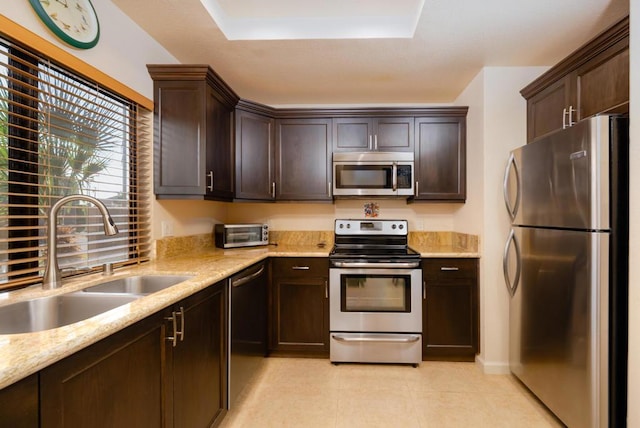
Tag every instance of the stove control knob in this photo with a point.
(348, 225)
(393, 226)
(401, 226)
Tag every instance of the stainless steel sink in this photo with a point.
(51, 312)
(140, 284)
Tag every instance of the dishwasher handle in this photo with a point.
(238, 282)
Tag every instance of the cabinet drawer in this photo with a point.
(442, 269)
(301, 266)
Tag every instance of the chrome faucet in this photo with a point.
(52, 278)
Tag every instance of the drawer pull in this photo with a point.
(449, 269)
(300, 267)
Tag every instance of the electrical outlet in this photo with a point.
(420, 225)
(167, 228)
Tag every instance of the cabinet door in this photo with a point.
(546, 109)
(219, 170)
(118, 382)
(440, 159)
(200, 360)
(450, 329)
(393, 134)
(179, 138)
(300, 307)
(603, 82)
(352, 134)
(303, 159)
(255, 178)
(19, 404)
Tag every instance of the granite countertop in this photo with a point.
(24, 354)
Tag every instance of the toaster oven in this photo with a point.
(241, 235)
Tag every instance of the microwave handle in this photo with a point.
(394, 177)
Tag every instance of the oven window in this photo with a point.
(363, 176)
(375, 293)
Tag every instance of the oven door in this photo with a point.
(375, 300)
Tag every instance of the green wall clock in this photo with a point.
(74, 21)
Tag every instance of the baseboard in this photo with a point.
(493, 367)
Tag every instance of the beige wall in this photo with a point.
(122, 51)
(634, 256)
(496, 124)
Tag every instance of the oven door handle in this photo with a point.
(399, 265)
(363, 338)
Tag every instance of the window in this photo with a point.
(59, 135)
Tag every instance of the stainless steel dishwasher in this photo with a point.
(247, 327)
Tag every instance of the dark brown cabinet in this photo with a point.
(198, 360)
(19, 404)
(440, 158)
(255, 156)
(594, 79)
(450, 314)
(168, 370)
(299, 307)
(373, 134)
(303, 160)
(120, 381)
(193, 117)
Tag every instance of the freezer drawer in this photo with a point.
(559, 320)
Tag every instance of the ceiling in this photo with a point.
(453, 40)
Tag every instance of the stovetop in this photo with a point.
(372, 241)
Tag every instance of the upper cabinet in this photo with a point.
(255, 157)
(193, 118)
(440, 157)
(393, 134)
(283, 159)
(592, 80)
(303, 160)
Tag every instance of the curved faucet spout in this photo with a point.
(52, 277)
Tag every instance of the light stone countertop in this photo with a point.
(24, 354)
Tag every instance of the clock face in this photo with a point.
(73, 21)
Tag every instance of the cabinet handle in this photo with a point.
(210, 177)
(173, 339)
(326, 289)
(564, 118)
(329, 188)
(417, 188)
(375, 142)
(424, 290)
(181, 313)
(571, 110)
(447, 268)
(300, 267)
(273, 190)
(370, 143)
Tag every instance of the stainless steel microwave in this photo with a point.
(371, 174)
(241, 235)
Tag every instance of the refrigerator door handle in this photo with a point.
(511, 287)
(512, 208)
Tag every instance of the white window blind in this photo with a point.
(63, 135)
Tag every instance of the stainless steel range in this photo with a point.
(375, 301)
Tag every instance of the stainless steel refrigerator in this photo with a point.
(566, 269)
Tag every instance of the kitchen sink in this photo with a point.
(140, 284)
(56, 311)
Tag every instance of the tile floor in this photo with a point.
(309, 393)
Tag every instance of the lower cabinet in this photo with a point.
(450, 314)
(299, 307)
(198, 361)
(19, 404)
(168, 370)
